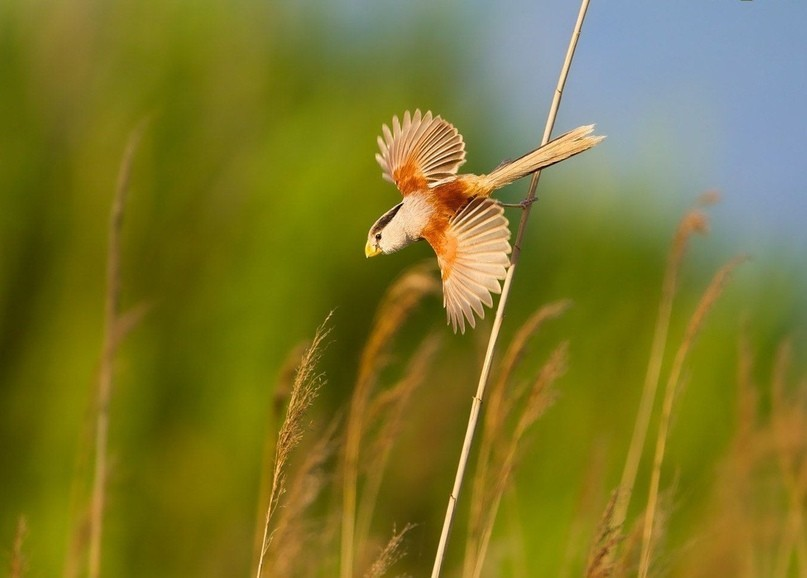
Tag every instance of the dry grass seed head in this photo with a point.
(391, 553)
(292, 532)
(508, 449)
(601, 555)
(304, 390)
(499, 406)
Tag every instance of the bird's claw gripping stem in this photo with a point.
(523, 205)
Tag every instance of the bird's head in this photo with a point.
(387, 234)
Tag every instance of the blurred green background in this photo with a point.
(251, 194)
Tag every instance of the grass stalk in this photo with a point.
(304, 391)
(500, 406)
(693, 222)
(398, 303)
(114, 327)
(476, 403)
(389, 410)
(538, 399)
(391, 553)
(713, 291)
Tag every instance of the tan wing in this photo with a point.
(473, 260)
(421, 150)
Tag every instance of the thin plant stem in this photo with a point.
(476, 403)
(111, 340)
(693, 222)
(673, 385)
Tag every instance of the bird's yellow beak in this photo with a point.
(371, 250)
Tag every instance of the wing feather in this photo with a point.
(421, 150)
(472, 271)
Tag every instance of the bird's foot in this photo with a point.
(523, 205)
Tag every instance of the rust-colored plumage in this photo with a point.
(453, 213)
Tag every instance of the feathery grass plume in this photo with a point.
(695, 221)
(384, 421)
(601, 556)
(280, 399)
(304, 390)
(499, 406)
(533, 401)
(401, 298)
(292, 534)
(713, 291)
(391, 553)
(18, 565)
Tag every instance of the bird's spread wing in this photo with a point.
(473, 260)
(423, 149)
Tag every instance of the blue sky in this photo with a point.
(702, 94)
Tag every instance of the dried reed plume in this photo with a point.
(280, 401)
(391, 553)
(304, 390)
(601, 556)
(395, 308)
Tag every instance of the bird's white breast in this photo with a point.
(414, 215)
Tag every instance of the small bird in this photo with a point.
(454, 213)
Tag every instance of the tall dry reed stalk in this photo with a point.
(498, 319)
(304, 390)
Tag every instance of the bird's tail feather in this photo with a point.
(561, 148)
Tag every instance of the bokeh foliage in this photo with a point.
(251, 194)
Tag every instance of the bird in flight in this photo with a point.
(454, 212)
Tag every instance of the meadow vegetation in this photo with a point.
(238, 139)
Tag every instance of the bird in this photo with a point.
(452, 212)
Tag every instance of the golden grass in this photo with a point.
(385, 419)
(754, 524)
(404, 295)
(534, 402)
(498, 446)
(390, 554)
(711, 294)
(304, 390)
(695, 221)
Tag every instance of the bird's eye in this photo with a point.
(378, 236)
